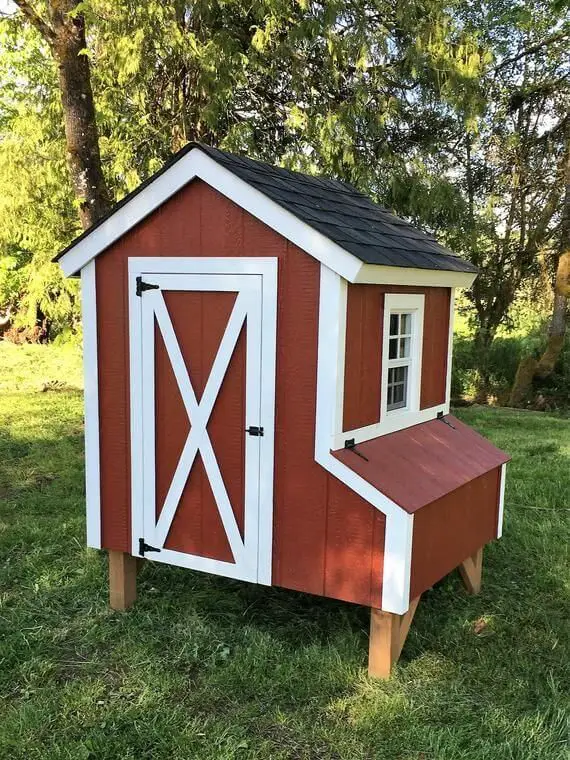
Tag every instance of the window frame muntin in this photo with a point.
(403, 303)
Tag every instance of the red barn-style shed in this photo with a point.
(267, 383)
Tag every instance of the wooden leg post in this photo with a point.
(122, 580)
(387, 636)
(470, 570)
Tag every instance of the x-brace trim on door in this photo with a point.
(199, 413)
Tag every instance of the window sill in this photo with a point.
(393, 421)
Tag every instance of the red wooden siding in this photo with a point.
(423, 463)
(434, 347)
(326, 539)
(449, 530)
(199, 320)
(364, 332)
(363, 356)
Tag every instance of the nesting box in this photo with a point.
(267, 384)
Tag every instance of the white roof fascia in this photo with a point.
(197, 164)
(375, 274)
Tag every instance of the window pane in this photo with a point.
(393, 348)
(405, 324)
(397, 391)
(404, 348)
(394, 319)
(398, 394)
(400, 374)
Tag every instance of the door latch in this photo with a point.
(254, 430)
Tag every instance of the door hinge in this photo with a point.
(142, 286)
(254, 430)
(144, 547)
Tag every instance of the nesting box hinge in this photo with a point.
(254, 430)
(144, 547)
(350, 444)
(142, 286)
(440, 416)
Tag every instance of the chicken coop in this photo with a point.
(267, 388)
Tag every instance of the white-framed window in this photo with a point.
(401, 354)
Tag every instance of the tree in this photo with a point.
(530, 368)
(508, 159)
(64, 32)
(345, 88)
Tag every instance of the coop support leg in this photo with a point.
(388, 633)
(122, 580)
(470, 571)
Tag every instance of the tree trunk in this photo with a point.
(64, 31)
(483, 339)
(530, 368)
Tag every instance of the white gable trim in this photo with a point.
(197, 164)
(399, 524)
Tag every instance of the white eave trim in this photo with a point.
(374, 274)
(197, 164)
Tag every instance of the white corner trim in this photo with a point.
(374, 274)
(197, 164)
(399, 524)
(449, 351)
(501, 500)
(91, 403)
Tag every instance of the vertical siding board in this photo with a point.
(449, 530)
(363, 357)
(113, 403)
(434, 349)
(300, 484)
(377, 561)
(349, 545)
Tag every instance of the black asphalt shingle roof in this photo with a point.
(333, 208)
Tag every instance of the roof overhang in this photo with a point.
(196, 164)
(372, 274)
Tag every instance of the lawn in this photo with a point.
(209, 669)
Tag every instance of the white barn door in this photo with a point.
(202, 338)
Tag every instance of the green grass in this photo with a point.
(207, 668)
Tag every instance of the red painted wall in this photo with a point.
(327, 540)
(449, 530)
(363, 356)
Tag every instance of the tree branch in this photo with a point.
(532, 49)
(36, 21)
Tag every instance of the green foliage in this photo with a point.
(503, 358)
(36, 208)
(204, 667)
(346, 89)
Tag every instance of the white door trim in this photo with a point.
(257, 299)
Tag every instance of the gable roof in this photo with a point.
(345, 217)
